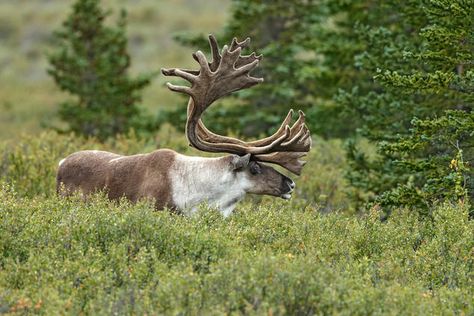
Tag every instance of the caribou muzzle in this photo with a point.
(287, 188)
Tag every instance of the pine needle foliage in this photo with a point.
(421, 118)
(91, 62)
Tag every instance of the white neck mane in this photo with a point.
(195, 180)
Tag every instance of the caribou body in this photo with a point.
(181, 182)
(171, 180)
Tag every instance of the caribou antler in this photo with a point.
(229, 72)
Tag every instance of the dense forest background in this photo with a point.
(381, 220)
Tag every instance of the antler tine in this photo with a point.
(185, 74)
(229, 58)
(235, 43)
(201, 59)
(181, 89)
(247, 68)
(209, 136)
(298, 141)
(242, 60)
(296, 138)
(232, 147)
(172, 71)
(216, 57)
(288, 160)
(281, 129)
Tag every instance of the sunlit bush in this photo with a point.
(270, 256)
(109, 258)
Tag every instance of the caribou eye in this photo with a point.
(255, 169)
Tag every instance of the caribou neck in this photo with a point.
(197, 180)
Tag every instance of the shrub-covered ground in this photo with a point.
(271, 256)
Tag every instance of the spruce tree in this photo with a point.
(91, 63)
(421, 118)
(309, 50)
(302, 66)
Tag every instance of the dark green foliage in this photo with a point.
(421, 118)
(301, 67)
(91, 63)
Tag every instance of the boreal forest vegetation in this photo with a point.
(381, 220)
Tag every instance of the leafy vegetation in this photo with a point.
(271, 256)
(103, 258)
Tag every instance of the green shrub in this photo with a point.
(270, 256)
(102, 258)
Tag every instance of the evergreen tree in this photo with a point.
(303, 65)
(309, 54)
(421, 118)
(91, 63)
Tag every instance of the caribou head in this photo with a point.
(182, 182)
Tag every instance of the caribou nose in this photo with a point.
(289, 185)
(287, 188)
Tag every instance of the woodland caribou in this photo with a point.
(181, 182)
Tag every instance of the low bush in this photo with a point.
(270, 256)
(108, 258)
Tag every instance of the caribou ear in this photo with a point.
(239, 162)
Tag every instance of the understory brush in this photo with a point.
(270, 257)
(101, 257)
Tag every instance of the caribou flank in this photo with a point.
(181, 182)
